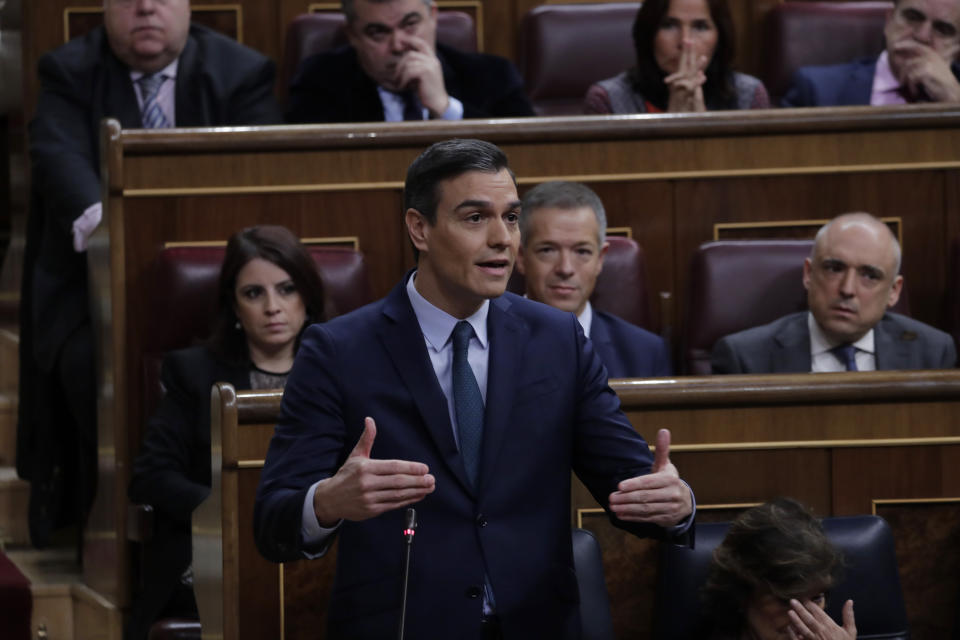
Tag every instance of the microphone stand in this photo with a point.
(409, 530)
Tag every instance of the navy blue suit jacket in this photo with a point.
(548, 410)
(627, 350)
(834, 85)
(333, 87)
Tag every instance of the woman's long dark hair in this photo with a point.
(274, 244)
(647, 77)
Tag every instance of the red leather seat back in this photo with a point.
(797, 34)
(621, 288)
(739, 284)
(185, 281)
(312, 33)
(565, 48)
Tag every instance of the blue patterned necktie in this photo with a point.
(847, 354)
(153, 117)
(467, 402)
(412, 108)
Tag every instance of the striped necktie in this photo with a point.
(152, 114)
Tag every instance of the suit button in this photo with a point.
(481, 520)
(473, 592)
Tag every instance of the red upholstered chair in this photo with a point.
(186, 281)
(312, 33)
(622, 286)
(565, 48)
(797, 34)
(738, 284)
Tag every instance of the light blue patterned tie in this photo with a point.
(153, 116)
(847, 354)
(467, 402)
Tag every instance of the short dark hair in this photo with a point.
(562, 194)
(647, 76)
(274, 244)
(777, 548)
(443, 161)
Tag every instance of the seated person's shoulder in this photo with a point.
(909, 329)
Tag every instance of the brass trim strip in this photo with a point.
(881, 502)
(732, 505)
(249, 464)
(283, 633)
(353, 241)
(609, 177)
(624, 232)
(814, 444)
(581, 512)
(776, 224)
(292, 188)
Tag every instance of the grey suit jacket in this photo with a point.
(783, 346)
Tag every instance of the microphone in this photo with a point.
(409, 530)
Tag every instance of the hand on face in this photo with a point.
(686, 84)
(365, 487)
(809, 620)
(924, 71)
(659, 497)
(419, 69)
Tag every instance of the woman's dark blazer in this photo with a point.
(172, 472)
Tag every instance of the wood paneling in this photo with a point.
(666, 178)
(845, 465)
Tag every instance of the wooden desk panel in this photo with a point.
(733, 461)
(667, 178)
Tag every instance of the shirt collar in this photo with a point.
(437, 325)
(883, 79)
(819, 343)
(170, 71)
(586, 319)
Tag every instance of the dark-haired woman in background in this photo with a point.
(770, 576)
(684, 52)
(269, 291)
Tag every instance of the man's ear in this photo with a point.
(895, 290)
(603, 253)
(807, 268)
(418, 228)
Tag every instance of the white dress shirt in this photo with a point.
(823, 360)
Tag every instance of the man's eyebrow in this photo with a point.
(473, 204)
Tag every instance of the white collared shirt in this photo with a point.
(586, 319)
(823, 360)
(393, 106)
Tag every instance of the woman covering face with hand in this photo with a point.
(770, 577)
(269, 291)
(684, 50)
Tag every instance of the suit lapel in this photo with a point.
(890, 350)
(507, 336)
(403, 340)
(119, 101)
(189, 96)
(860, 85)
(793, 341)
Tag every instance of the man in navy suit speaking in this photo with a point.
(563, 228)
(470, 403)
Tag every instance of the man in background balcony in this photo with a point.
(393, 69)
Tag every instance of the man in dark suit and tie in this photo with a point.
(147, 67)
(563, 229)
(852, 277)
(393, 69)
(474, 405)
(918, 65)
